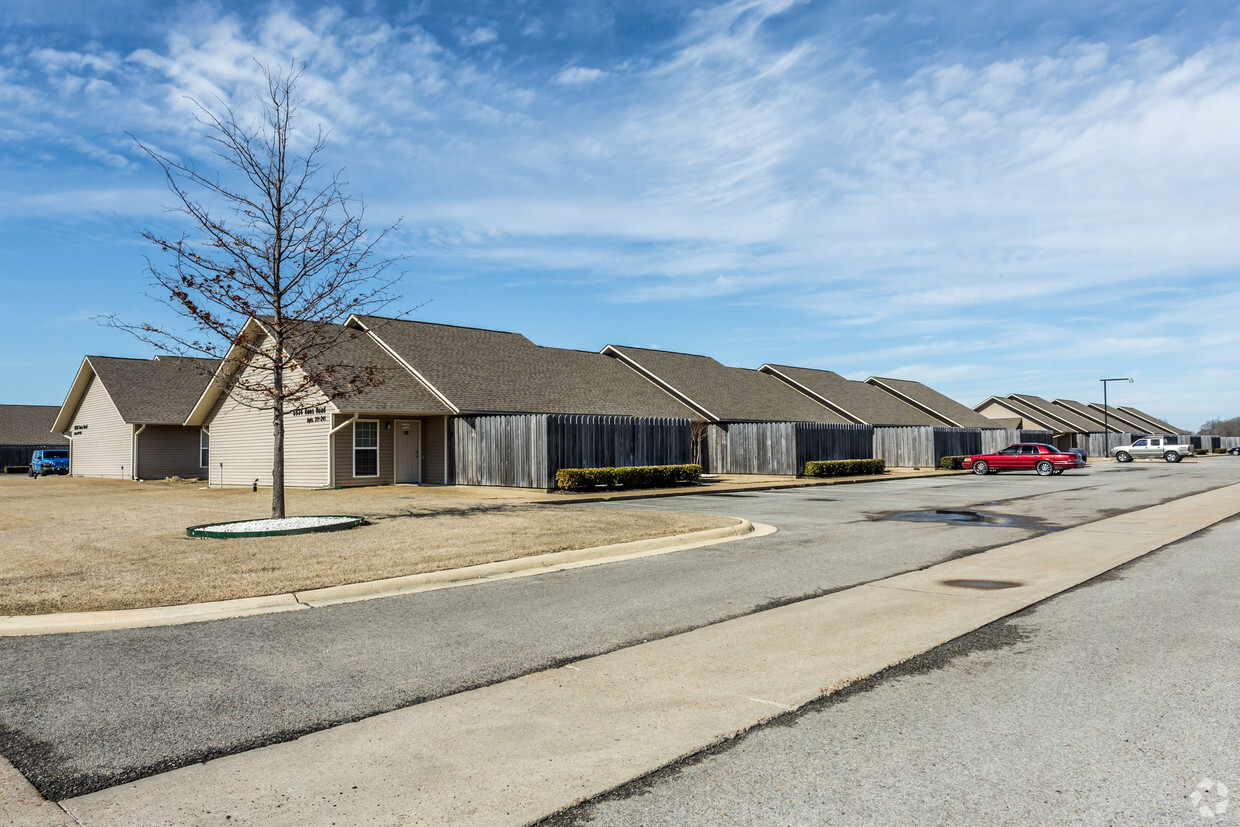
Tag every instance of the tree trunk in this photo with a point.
(277, 453)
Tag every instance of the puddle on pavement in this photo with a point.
(981, 584)
(950, 515)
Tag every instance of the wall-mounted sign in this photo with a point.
(312, 414)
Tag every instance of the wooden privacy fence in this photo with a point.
(1100, 445)
(1229, 442)
(526, 450)
(781, 447)
(20, 454)
(923, 446)
(580, 441)
(996, 439)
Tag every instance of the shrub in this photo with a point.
(1220, 450)
(844, 467)
(1200, 452)
(952, 463)
(16, 469)
(642, 476)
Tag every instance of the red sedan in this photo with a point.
(1025, 456)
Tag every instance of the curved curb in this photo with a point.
(69, 622)
(204, 531)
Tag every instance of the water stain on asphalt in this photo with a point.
(958, 516)
(950, 515)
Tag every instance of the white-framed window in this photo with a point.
(366, 448)
(204, 448)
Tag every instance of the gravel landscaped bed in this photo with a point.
(275, 527)
(283, 524)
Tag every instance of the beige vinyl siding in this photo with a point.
(996, 411)
(168, 451)
(343, 448)
(241, 439)
(434, 450)
(104, 445)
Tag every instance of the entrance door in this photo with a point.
(408, 466)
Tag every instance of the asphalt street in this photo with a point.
(86, 711)
(1113, 703)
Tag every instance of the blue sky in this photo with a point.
(986, 197)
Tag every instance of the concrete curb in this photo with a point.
(68, 622)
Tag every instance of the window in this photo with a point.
(1140, 443)
(366, 448)
(204, 448)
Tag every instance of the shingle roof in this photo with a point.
(1010, 423)
(729, 394)
(159, 391)
(1074, 421)
(1023, 413)
(1114, 413)
(1159, 424)
(489, 371)
(29, 425)
(1081, 411)
(928, 399)
(1084, 412)
(866, 403)
(354, 352)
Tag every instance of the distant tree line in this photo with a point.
(1222, 427)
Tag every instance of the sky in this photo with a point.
(989, 198)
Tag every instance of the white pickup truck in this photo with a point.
(1152, 447)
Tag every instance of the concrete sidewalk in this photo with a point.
(517, 751)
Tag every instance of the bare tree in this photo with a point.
(275, 240)
(697, 439)
(1221, 427)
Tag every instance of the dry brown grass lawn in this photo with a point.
(82, 544)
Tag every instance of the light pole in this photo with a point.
(1106, 409)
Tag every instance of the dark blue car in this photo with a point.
(49, 461)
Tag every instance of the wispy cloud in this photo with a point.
(578, 76)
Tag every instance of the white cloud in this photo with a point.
(578, 76)
(478, 36)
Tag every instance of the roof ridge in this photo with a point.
(443, 324)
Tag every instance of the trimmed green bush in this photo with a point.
(844, 467)
(952, 463)
(1200, 452)
(643, 476)
(1220, 450)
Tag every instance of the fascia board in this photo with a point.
(222, 378)
(817, 397)
(400, 360)
(74, 397)
(1117, 416)
(1069, 428)
(947, 420)
(666, 387)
